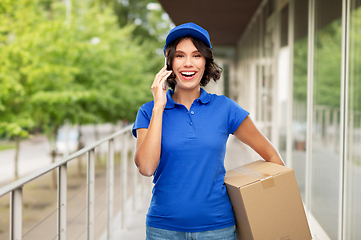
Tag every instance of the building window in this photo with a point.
(299, 108)
(325, 160)
(353, 130)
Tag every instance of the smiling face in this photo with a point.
(188, 65)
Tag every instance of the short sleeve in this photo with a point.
(236, 115)
(143, 117)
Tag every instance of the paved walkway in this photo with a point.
(135, 221)
(35, 152)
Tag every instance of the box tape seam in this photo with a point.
(266, 180)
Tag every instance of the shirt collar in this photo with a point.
(203, 98)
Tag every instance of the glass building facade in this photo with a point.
(298, 68)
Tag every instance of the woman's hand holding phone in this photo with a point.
(149, 139)
(158, 89)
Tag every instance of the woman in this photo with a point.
(181, 141)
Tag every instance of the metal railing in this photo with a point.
(16, 188)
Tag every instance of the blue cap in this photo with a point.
(188, 29)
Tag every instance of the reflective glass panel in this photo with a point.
(353, 132)
(299, 114)
(325, 161)
(283, 82)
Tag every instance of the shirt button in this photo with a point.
(192, 112)
(190, 123)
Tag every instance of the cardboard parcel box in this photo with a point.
(267, 202)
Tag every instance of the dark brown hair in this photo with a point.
(212, 70)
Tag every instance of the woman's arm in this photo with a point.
(149, 140)
(248, 133)
(149, 144)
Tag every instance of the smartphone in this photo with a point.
(165, 84)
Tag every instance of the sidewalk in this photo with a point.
(34, 154)
(135, 221)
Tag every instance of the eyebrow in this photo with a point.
(197, 51)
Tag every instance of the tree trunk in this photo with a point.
(16, 160)
(52, 140)
(96, 134)
(80, 146)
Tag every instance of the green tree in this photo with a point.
(327, 69)
(77, 66)
(355, 68)
(15, 115)
(300, 58)
(152, 23)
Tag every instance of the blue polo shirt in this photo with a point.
(189, 194)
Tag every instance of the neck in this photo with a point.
(186, 96)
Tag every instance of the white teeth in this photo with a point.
(188, 73)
